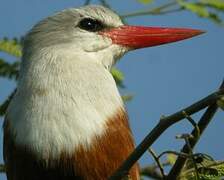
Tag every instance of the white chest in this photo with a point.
(60, 113)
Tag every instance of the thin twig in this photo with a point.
(191, 120)
(154, 11)
(163, 124)
(202, 124)
(192, 157)
(175, 153)
(160, 166)
(169, 11)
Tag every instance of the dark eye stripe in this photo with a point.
(91, 25)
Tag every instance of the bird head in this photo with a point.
(96, 34)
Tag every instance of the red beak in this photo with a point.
(139, 37)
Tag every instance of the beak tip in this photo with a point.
(194, 32)
(199, 32)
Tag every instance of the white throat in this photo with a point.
(62, 102)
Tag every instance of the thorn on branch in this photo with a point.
(186, 137)
(162, 117)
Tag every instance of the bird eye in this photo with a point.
(91, 25)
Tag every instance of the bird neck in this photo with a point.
(62, 104)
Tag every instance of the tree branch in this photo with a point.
(159, 164)
(163, 9)
(202, 124)
(163, 124)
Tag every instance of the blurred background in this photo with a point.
(161, 79)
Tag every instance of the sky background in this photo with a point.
(163, 79)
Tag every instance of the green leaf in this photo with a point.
(201, 10)
(11, 47)
(214, 17)
(145, 1)
(195, 8)
(217, 4)
(8, 70)
(171, 158)
(208, 170)
(118, 76)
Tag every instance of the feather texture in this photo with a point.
(99, 161)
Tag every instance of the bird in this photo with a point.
(67, 120)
